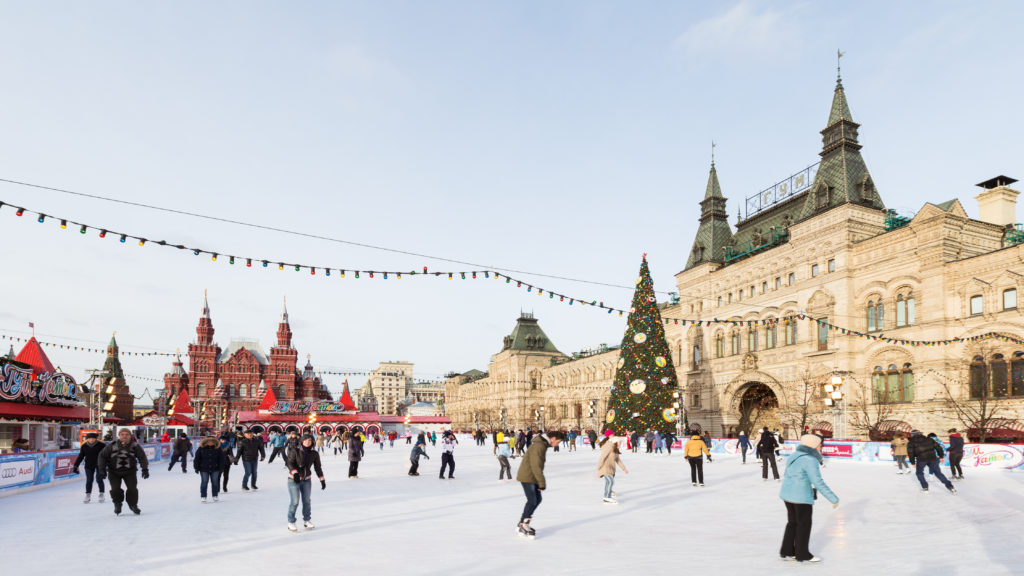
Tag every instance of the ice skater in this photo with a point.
(277, 444)
(692, 451)
(224, 445)
(301, 462)
(89, 453)
(956, 454)
(531, 476)
(119, 461)
(182, 450)
(448, 443)
(592, 436)
(606, 463)
(899, 453)
(803, 476)
(503, 453)
(251, 452)
(924, 452)
(766, 451)
(743, 443)
(414, 458)
(208, 463)
(355, 454)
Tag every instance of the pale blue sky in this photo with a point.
(565, 138)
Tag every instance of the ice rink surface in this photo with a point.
(387, 522)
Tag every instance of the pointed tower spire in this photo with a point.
(284, 311)
(113, 340)
(714, 232)
(206, 306)
(204, 331)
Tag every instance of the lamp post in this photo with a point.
(834, 398)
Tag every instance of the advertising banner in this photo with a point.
(63, 464)
(18, 471)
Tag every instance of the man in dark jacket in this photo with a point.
(182, 448)
(249, 449)
(301, 461)
(89, 453)
(924, 452)
(592, 435)
(120, 460)
(766, 452)
(956, 454)
(355, 454)
(208, 463)
(531, 476)
(224, 445)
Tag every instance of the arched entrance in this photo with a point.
(275, 428)
(758, 408)
(325, 428)
(257, 429)
(291, 428)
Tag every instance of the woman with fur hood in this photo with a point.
(606, 463)
(208, 463)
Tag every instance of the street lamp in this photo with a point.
(834, 398)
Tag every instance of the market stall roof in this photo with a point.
(33, 355)
(269, 399)
(182, 404)
(43, 411)
(346, 398)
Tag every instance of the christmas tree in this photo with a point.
(645, 378)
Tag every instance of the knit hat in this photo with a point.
(608, 433)
(811, 441)
(91, 435)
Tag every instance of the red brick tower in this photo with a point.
(203, 358)
(283, 357)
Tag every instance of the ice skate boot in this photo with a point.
(87, 498)
(308, 525)
(292, 527)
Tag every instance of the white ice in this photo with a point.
(387, 522)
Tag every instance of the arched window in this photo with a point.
(894, 384)
(999, 376)
(905, 310)
(201, 390)
(880, 315)
(771, 334)
(696, 355)
(719, 345)
(977, 378)
(752, 339)
(1017, 374)
(907, 387)
(791, 336)
(735, 337)
(872, 324)
(877, 385)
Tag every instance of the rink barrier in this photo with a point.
(27, 471)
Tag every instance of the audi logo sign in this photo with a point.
(14, 472)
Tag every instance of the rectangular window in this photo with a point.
(771, 336)
(999, 379)
(764, 287)
(814, 270)
(823, 335)
(719, 300)
(832, 265)
(790, 332)
(696, 401)
(792, 278)
(730, 297)
(901, 312)
(908, 387)
(752, 340)
(976, 305)
(1017, 377)
(719, 345)
(751, 290)
(977, 380)
(741, 294)
(1009, 299)
(893, 385)
(877, 387)
(735, 343)
(778, 283)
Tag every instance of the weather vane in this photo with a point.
(839, 59)
(712, 152)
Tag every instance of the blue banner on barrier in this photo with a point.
(27, 469)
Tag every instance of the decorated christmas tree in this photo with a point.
(645, 378)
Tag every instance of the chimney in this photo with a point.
(998, 203)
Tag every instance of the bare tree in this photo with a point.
(866, 409)
(757, 401)
(972, 400)
(801, 400)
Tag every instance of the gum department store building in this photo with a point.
(820, 244)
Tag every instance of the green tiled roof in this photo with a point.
(528, 336)
(945, 206)
(840, 109)
(714, 232)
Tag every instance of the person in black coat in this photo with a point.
(182, 448)
(923, 452)
(208, 463)
(89, 453)
(120, 459)
(355, 454)
(302, 461)
(224, 445)
(956, 454)
(249, 450)
(765, 448)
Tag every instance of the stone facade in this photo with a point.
(390, 384)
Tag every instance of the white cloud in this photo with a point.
(744, 30)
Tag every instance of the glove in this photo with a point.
(145, 474)
(297, 477)
(709, 458)
(75, 469)
(261, 459)
(197, 471)
(323, 484)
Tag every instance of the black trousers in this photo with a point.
(174, 459)
(353, 469)
(798, 531)
(224, 473)
(696, 469)
(766, 459)
(448, 461)
(130, 492)
(533, 498)
(279, 450)
(415, 466)
(954, 466)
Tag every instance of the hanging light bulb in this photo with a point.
(248, 262)
(82, 231)
(142, 241)
(123, 238)
(103, 233)
(42, 217)
(20, 211)
(213, 257)
(63, 224)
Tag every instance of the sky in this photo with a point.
(565, 139)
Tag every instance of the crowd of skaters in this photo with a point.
(120, 461)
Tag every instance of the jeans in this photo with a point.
(277, 450)
(533, 498)
(797, 538)
(901, 463)
(205, 478)
(609, 483)
(224, 475)
(696, 469)
(448, 460)
(250, 470)
(130, 491)
(90, 473)
(743, 451)
(295, 490)
(414, 469)
(505, 468)
(767, 459)
(954, 466)
(934, 468)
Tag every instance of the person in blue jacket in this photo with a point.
(743, 443)
(800, 486)
(278, 441)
